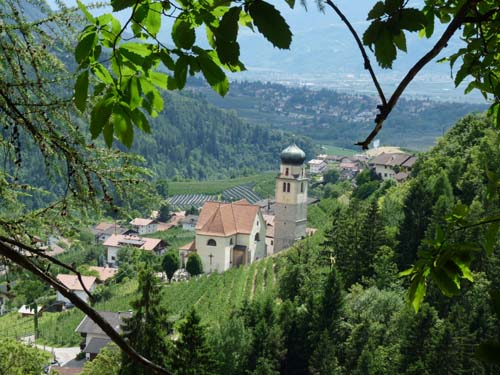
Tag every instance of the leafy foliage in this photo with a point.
(129, 86)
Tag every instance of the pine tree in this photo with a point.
(148, 329)
(192, 354)
(171, 263)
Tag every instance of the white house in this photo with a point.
(103, 231)
(117, 241)
(189, 222)
(387, 165)
(230, 234)
(144, 226)
(73, 284)
(95, 338)
(316, 166)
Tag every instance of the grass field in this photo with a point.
(334, 150)
(214, 187)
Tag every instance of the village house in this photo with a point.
(388, 165)
(189, 222)
(73, 284)
(105, 273)
(117, 241)
(28, 311)
(144, 226)
(94, 337)
(317, 166)
(229, 235)
(103, 231)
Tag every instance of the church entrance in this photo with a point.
(239, 255)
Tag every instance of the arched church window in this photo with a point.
(257, 237)
(211, 242)
(231, 241)
(288, 187)
(301, 187)
(286, 172)
(284, 186)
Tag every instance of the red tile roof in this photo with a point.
(224, 219)
(72, 283)
(104, 272)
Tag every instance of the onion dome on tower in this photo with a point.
(293, 155)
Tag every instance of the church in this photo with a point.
(233, 234)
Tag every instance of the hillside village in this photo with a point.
(225, 234)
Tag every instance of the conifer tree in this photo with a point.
(194, 265)
(192, 354)
(148, 329)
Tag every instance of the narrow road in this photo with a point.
(62, 355)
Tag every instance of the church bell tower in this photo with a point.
(290, 219)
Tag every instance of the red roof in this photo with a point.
(104, 272)
(224, 219)
(73, 283)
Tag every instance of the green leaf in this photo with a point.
(81, 91)
(228, 27)
(107, 132)
(464, 266)
(183, 34)
(135, 52)
(271, 24)
(412, 19)
(121, 124)
(163, 80)
(167, 60)
(153, 19)
(461, 74)
(180, 71)
(85, 12)
(133, 87)
(491, 237)
(213, 74)
(246, 20)
(100, 116)
(85, 46)
(122, 4)
(416, 292)
(154, 102)
(291, 3)
(385, 51)
(377, 11)
(140, 120)
(372, 32)
(102, 73)
(406, 272)
(447, 285)
(400, 41)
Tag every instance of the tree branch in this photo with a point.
(366, 60)
(28, 265)
(385, 110)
